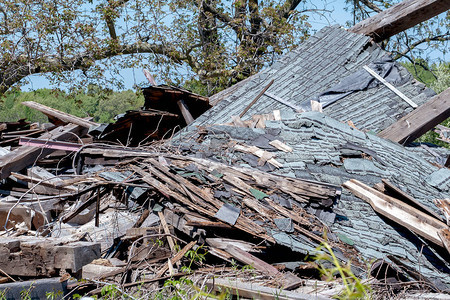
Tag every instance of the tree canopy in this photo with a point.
(210, 43)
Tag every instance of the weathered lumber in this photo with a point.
(289, 280)
(31, 256)
(420, 120)
(391, 187)
(251, 290)
(283, 101)
(176, 259)
(170, 240)
(185, 112)
(248, 259)
(56, 114)
(243, 223)
(25, 156)
(399, 212)
(256, 98)
(444, 206)
(400, 17)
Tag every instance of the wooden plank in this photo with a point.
(262, 154)
(248, 259)
(390, 86)
(285, 102)
(390, 186)
(256, 99)
(444, 234)
(176, 259)
(444, 206)
(280, 146)
(290, 281)
(185, 112)
(25, 156)
(252, 290)
(65, 117)
(167, 231)
(400, 17)
(399, 212)
(420, 120)
(316, 106)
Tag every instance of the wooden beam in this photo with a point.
(54, 113)
(25, 156)
(185, 112)
(420, 120)
(400, 17)
(399, 212)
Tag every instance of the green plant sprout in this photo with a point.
(354, 288)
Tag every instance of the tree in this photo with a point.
(219, 42)
(209, 44)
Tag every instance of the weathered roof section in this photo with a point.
(316, 65)
(330, 151)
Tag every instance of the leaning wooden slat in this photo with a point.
(290, 280)
(399, 212)
(65, 117)
(43, 183)
(25, 156)
(420, 120)
(176, 259)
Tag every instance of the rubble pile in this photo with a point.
(286, 203)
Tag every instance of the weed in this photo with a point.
(25, 294)
(53, 295)
(354, 288)
(3, 294)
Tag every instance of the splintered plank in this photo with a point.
(399, 212)
(290, 280)
(52, 113)
(242, 223)
(176, 259)
(420, 120)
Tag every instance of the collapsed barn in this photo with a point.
(309, 157)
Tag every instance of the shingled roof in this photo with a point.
(327, 149)
(316, 65)
(330, 151)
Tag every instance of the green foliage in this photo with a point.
(3, 294)
(110, 291)
(196, 256)
(354, 288)
(53, 295)
(25, 294)
(442, 81)
(91, 102)
(184, 288)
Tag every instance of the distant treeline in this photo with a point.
(94, 102)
